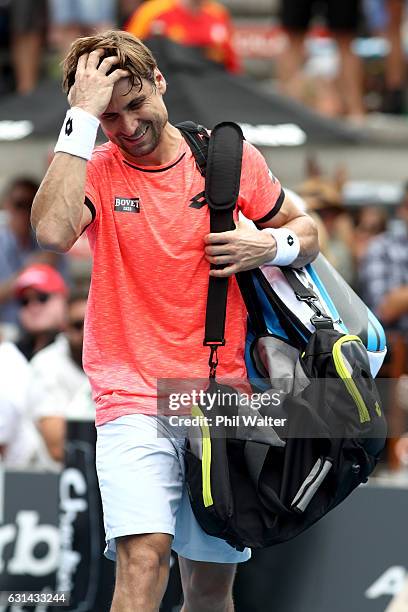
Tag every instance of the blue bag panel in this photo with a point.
(270, 316)
(274, 327)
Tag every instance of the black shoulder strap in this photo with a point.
(221, 192)
(219, 159)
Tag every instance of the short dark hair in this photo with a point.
(22, 181)
(19, 182)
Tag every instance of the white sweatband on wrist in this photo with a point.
(78, 133)
(287, 246)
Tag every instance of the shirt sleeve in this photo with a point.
(261, 194)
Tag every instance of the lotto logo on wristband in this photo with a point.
(291, 241)
(127, 205)
(68, 127)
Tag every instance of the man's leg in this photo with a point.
(142, 571)
(207, 587)
(351, 76)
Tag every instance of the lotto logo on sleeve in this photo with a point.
(131, 205)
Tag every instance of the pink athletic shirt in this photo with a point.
(147, 301)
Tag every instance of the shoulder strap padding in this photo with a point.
(223, 178)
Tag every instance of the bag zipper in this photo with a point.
(346, 377)
(206, 456)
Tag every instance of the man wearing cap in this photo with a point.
(41, 294)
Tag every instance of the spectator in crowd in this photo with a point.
(28, 20)
(371, 221)
(41, 293)
(21, 446)
(385, 17)
(343, 19)
(395, 71)
(126, 9)
(58, 368)
(323, 199)
(383, 272)
(401, 449)
(201, 23)
(18, 246)
(71, 19)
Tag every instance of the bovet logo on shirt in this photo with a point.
(131, 205)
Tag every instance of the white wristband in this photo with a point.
(287, 246)
(78, 133)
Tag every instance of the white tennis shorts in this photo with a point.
(140, 466)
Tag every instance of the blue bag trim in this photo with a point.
(271, 318)
(381, 340)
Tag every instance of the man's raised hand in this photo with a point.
(93, 87)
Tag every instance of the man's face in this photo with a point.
(75, 329)
(42, 312)
(134, 120)
(18, 206)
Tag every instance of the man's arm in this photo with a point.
(59, 214)
(52, 429)
(246, 248)
(394, 305)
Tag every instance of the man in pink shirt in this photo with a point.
(146, 311)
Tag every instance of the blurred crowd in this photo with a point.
(319, 63)
(42, 311)
(43, 295)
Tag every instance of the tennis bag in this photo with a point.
(272, 468)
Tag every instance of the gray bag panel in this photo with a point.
(279, 362)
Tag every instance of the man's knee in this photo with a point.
(146, 554)
(209, 586)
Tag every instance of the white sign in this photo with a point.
(15, 130)
(283, 135)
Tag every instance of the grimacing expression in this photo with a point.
(134, 120)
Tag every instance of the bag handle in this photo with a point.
(320, 319)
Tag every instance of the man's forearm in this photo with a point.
(58, 207)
